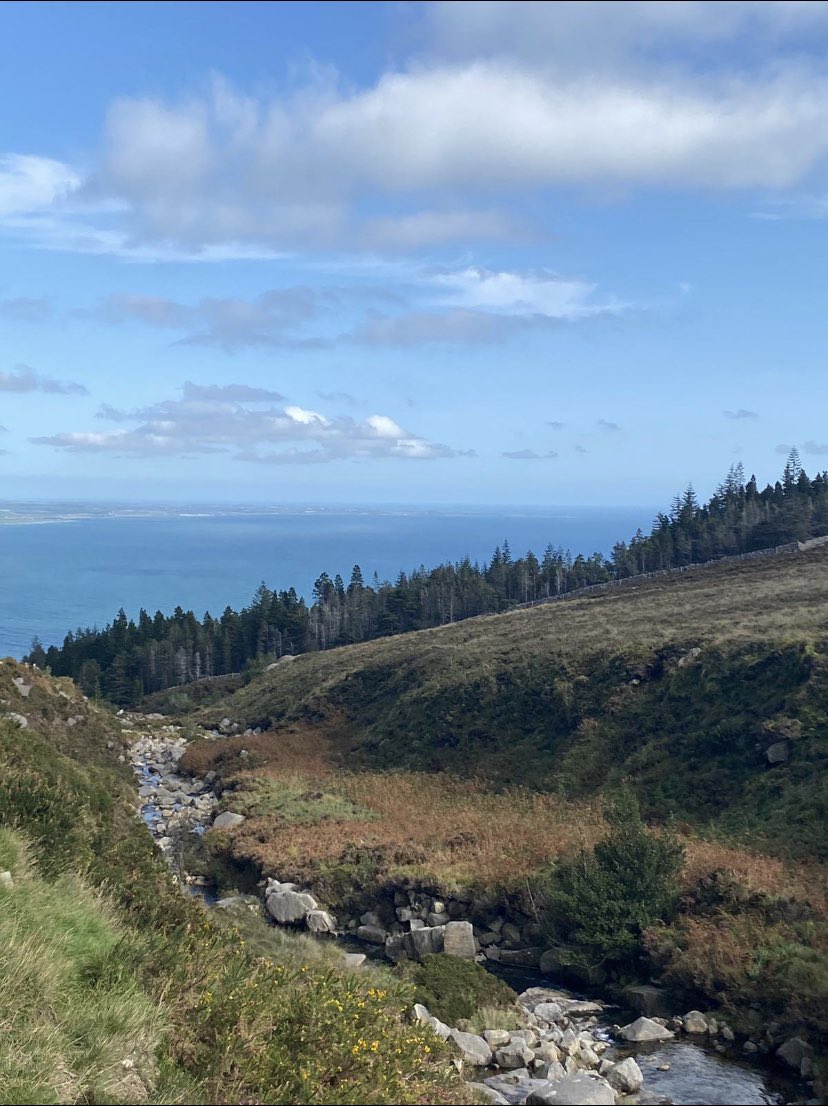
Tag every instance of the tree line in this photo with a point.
(128, 658)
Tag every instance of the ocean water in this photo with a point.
(60, 574)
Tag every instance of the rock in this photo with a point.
(458, 940)
(370, 918)
(577, 1009)
(514, 1055)
(7, 881)
(626, 1077)
(228, 820)
(588, 1057)
(516, 1077)
(728, 1033)
(488, 938)
(694, 1022)
(437, 919)
(442, 1030)
(354, 959)
(569, 1043)
(404, 913)
(510, 933)
(422, 942)
(497, 1038)
(18, 719)
(473, 1048)
(21, 685)
(438, 907)
(291, 906)
(514, 1092)
(794, 1051)
(374, 935)
(489, 1093)
(547, 1052)
(644, 1029)
(320, 921)
(522, 958)
(750, 1047)
(576, 1090)
(648, 1000)
(548, 962)
(777, 753)
(421, 1013)
(548, 1011)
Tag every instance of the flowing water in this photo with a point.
(695, 1075)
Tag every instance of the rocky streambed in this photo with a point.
(567, 1050)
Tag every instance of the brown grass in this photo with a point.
(756, 872)
(449, 830)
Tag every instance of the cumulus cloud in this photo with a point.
(23, 378)
(740, 413)
(609, 427)
(233, 419)
(26, 309)
(817, 448)
(516, 99)
(528, 455)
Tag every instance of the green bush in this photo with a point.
(454, 990)
(597, 904)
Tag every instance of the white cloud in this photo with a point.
(231, 419)
(521, 293)
(30, 184)
(529, 455)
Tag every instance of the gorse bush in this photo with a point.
(455, 990)
(597, 904)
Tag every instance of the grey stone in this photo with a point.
(777, 753)
(421, 1013)
(510, 933)
(320, 921)
(626, 1077)
(727, 1033)
(473, 1048)
(435, 919)
(354, 959)
(694, 1022)
(547, 1051)
(645, 1029)
(374, 935)
(290, 906)
(395, 948)
(574, 1008)
(370, 918)
(522, 958)
(7, 881)
(497, 1038)
(648, 1000)
(442, 1030)
(458, 940)
(575, 1090)
(548, 1011)
(489, 1093)
(18, 719)
(489, 937)
(422, 942)
(514, 1055)
(228, 820)
(794, 1051)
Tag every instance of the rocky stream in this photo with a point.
(569, 1049)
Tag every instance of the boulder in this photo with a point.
(648, 1000)
(522, 958)
(626, 1077)
(494, 1038)
(778, 752)
(291, 906)
(644, 1029)
(374, 935)
(480, 1090)
(7, 881)
(514, 1055)
(435, 919)
(574, 1090)
(694, 1022)
(422, 942)
(510, 933)
(354, 959)
(473, 1049)
(547, 1052)
(228, 820)
(442, 1030)
(458, 940)
(421, 1013)
(19, 720)
(548, 1011)
(794, 1051)
(320, 921)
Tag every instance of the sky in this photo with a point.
(485, 253)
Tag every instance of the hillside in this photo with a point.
(681, 683)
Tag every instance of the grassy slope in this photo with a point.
(574, 696)
(104, 960)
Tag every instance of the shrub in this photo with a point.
(454, 990)
(597, 904)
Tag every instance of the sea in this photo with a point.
(63, 568)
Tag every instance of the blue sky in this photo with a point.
(426, 253)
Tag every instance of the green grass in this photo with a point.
(118, 988)
(76, 1026)
(290, 798)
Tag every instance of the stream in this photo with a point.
(695, 1075)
